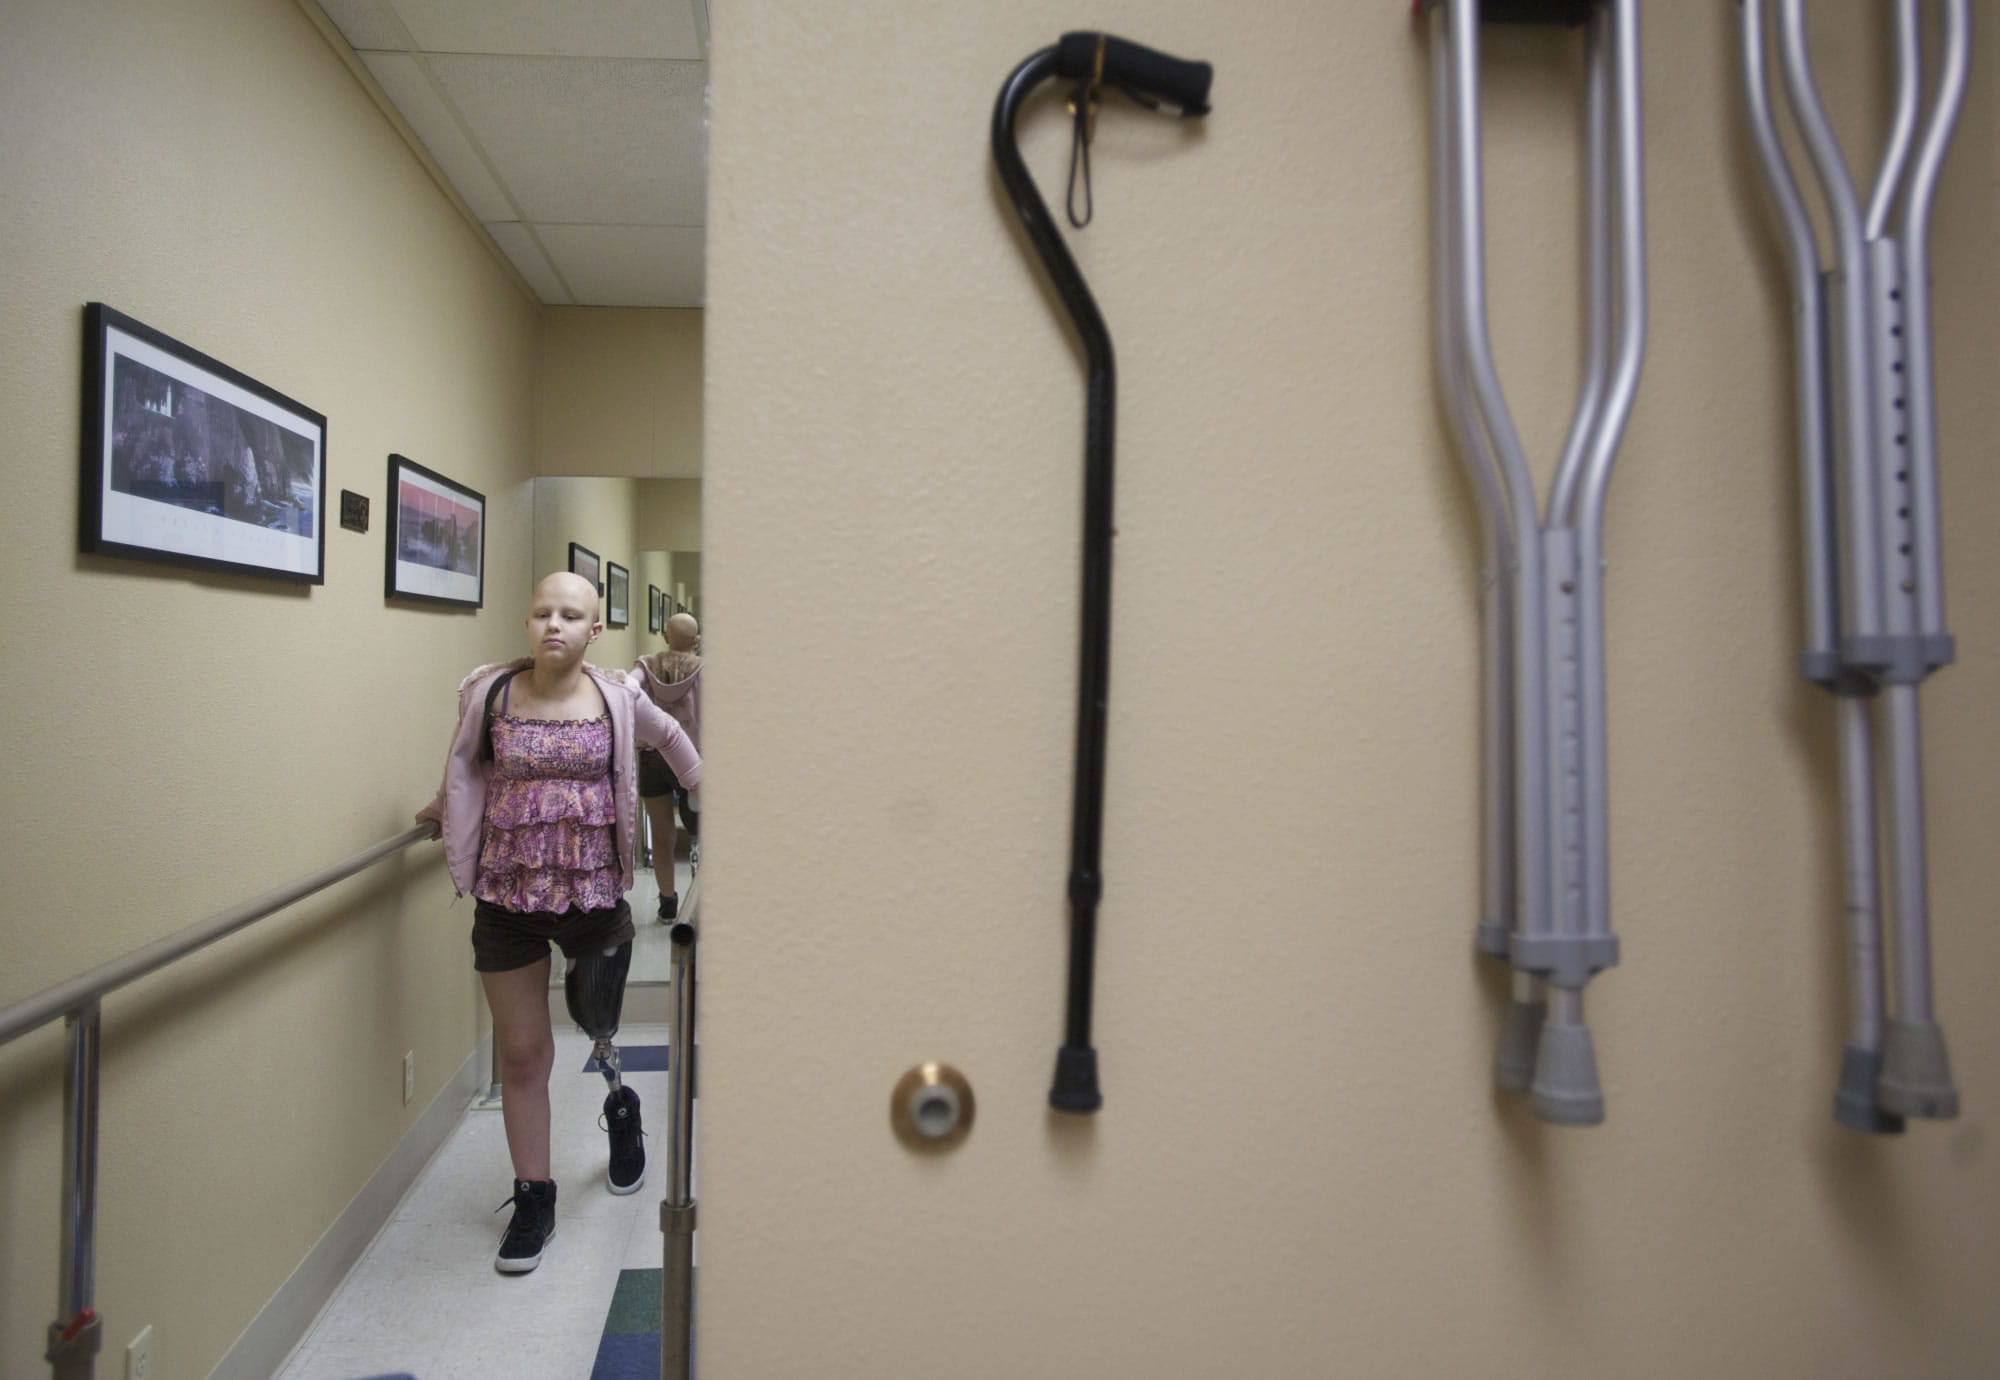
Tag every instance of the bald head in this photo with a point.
(567, 587)
(683, 633)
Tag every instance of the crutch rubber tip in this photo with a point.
(1916, 1075)
(1565, 1087)
(1520, 1037)
(1854, 1104)
(1075, 1087)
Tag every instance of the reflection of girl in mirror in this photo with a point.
(672, 679)
(537, 813)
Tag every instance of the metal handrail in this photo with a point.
(77, 1334)
(38, 1010)
(677, 1208)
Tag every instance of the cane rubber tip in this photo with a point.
(1854, 1104)
(1075, 1086)
(1916, 1074)
(1565, 1088)
(1520, 1037)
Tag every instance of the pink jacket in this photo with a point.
(680, 698)
(459, 807)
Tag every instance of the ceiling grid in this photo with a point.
(576, 133)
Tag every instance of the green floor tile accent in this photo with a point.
(635, 1305)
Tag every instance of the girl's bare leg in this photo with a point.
(660, 810)
(519, 1000)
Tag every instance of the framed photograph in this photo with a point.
(436, 543)
(583, 561)
(617, 595)
(655, 615)
(188, 462)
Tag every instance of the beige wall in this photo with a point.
(619, 392)
(1300, 1168)
(670, 514)
(182, 742)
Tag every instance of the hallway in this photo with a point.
(424, 1301)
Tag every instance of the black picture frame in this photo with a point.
(583, 561)
(655, 618)
(617, 595)
(189, 462)
(434, 551)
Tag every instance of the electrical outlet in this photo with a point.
(139, 1355)
(409, 1076)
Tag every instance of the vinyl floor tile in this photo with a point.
(425, 1300)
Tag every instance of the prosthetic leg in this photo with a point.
(594, 989)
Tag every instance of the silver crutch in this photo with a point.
(1874, 572)
(1543, 616)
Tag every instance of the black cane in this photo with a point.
(1092, 61)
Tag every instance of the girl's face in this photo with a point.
(562, 620)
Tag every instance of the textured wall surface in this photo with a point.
(179, 743)
(1300, 1168)
(620, 392)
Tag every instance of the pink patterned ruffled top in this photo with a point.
(548, 841)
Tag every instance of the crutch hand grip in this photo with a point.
(1137, 69)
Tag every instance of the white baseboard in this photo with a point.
(280, 1325)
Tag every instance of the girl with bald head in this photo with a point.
(538, 813)
(672, 680)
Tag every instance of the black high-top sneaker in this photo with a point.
(534, 1223)
(628, 1150)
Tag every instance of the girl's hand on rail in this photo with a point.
(437, 828)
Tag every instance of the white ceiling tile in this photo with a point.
(426, 113)
(593, 142)
(519, 246)
(555, 28)
(365, 24)
(629, 265)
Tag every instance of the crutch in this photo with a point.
(1874, 567)
(1092, 61)
(1546, 886)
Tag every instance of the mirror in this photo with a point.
(649, 529)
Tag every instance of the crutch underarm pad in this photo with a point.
(1131, 65)
(1566, 1090)
(1916, 1074)
(1854, 1104)
(1566, 960)
(1567, 13)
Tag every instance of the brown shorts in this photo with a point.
(503, 940)
(656, 778)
